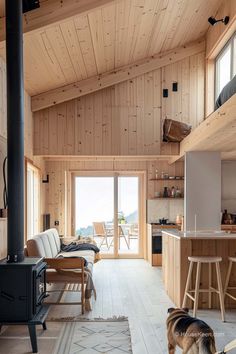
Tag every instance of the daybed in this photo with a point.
(48, 245)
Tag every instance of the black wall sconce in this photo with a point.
(165, 93)
(46, 180)
(175, 86)
(212, 20)
(29, 5)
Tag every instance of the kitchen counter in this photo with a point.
(178, 246)
(200, 235)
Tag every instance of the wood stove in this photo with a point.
(22, 289)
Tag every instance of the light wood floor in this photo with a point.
(125, 287)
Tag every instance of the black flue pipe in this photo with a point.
(15, 130)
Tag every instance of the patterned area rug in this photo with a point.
(95, 336)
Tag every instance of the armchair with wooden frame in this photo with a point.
(71, 271)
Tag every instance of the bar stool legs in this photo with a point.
(227, 287)
(197, 285)
(187, 287)
(220, 291)
(194, 294)
(209, 288)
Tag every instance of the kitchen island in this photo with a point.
(178, 246)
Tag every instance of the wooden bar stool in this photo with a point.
(194, 294)
(227, 287)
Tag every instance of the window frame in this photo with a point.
(230, 44)
(37, 172)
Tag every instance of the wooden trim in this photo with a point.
(38, 171)
(65, 263)
(116, 209)
(53, 12)
(216, 133)
(68, 204)
(139, 158)
(84, 87)
(210, 87)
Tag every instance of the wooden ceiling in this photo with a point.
(114, 35)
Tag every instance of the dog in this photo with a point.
(190, 334)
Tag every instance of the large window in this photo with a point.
(225, 65)
(32, 200)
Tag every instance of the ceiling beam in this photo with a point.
(216, 133)
(52, 12)
(128, 72)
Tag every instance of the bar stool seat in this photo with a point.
(205, 259)
(193, 294)
(227, 287)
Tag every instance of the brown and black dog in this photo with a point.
(190, 334)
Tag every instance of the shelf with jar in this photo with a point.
(168, 198)
(169, 193)
(170, 179)
(165, 177)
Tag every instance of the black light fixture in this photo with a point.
(29, 5)
(212, 20)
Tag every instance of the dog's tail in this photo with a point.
(207, 345)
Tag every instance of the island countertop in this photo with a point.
(199, 235)
(177, 246)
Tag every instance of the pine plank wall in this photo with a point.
(124, 119)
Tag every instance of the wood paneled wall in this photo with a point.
(56, 189)
(3, 146)
(125, 119)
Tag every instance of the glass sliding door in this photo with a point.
(107, 209)
(94, 210)
(128, 215)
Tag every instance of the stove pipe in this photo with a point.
(15, 130)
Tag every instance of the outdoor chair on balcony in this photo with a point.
(133, 232)
(99, 230)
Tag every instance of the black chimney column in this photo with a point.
(15, 130)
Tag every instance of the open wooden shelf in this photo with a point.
(166, 179)
(169, 198)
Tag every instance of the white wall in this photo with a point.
(202, 190)
(169, 209)
(228, 184)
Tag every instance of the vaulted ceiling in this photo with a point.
(108, 37)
